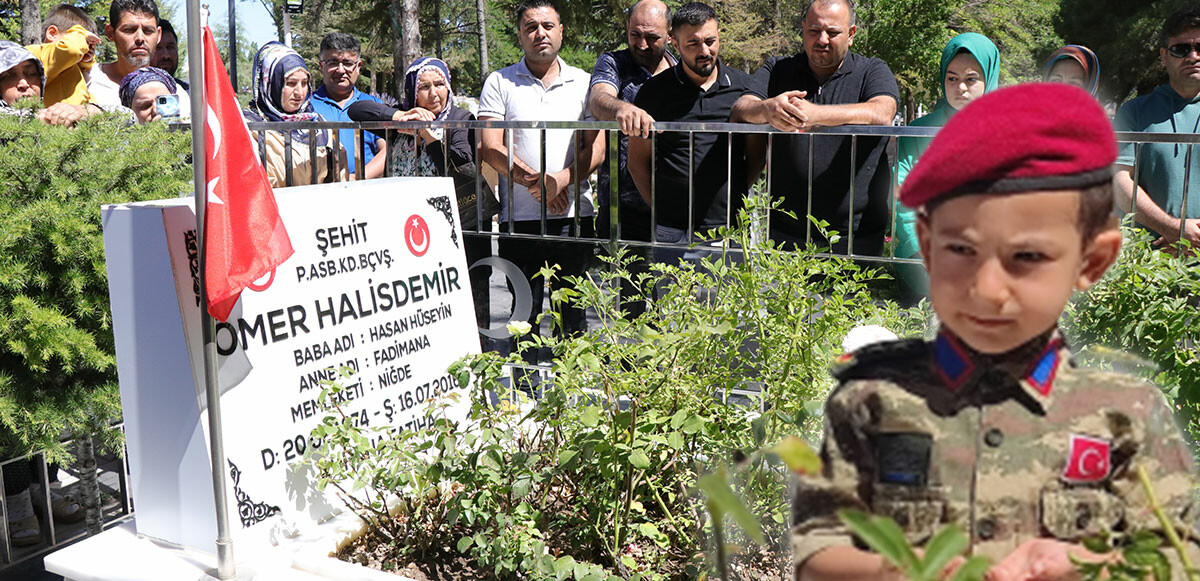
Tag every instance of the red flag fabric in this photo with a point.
(244, 236)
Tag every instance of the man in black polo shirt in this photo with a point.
(700, 88)
(826, 86)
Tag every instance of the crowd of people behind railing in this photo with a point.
(699, 178)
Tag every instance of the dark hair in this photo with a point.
(1096, 210)
(1186, 18)
(528, 5)
(65, 16)
(692, 14)
(340, 42)
(849, 5)
(120, 7)
(167, 28)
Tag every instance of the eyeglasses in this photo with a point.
(348, 65)
(1182, 49)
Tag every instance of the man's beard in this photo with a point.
(703, 70)
(138, 62)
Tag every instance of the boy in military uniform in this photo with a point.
(990, 426)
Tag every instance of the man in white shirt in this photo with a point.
(133, 27)
(542, 87)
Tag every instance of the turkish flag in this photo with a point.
(1088, 459)
(244, 237)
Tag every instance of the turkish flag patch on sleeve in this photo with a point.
(1088, 460)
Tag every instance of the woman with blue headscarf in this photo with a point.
(281, 93)
(970, 68)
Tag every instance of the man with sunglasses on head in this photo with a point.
(1171, 108)
(340, 66)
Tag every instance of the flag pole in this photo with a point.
(212, 396)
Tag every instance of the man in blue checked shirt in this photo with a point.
(340, 66)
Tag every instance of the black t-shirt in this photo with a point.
(672, 96)
(859, 79)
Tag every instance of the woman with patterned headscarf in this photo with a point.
(22, 76)
(428, 96)
(1074, 65)
(281, 93)
(140, 89)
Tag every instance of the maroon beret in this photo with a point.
(1037, 136)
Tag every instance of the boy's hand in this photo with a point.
(1041, 560)
(92, 39)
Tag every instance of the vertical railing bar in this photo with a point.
(262, 148)
(337, 144)
(653, 188)
(691, 185)
(894, 198)
(576, 145)
(478, 179)
(8, 559)
(807, 220)
(46, 499)
(312, 156)
(1187, 175)
(389, 136)
(729, 180)
(613, 167)
(445, 151)
(508, 135)
(360, 153)
(853, 174)
(123, 483)
(418, 149)
(767, 213)
(542, 178)
(1137, 170)
(287, 158)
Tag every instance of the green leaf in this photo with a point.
(973, 570)
(797, 455)
(564, 567)
(675, 440)
(948, 543)
(590, 416)
(464, 544)
(639, 459)
(722, 501)
(884, 536)
(566, 456)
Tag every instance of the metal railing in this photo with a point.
(53, 534)
(388, 129)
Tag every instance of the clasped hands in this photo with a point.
(556, 186)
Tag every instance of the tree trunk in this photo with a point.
(437, 28)
(481, 21)
(407, 41)
(31, 22)
(89, 488)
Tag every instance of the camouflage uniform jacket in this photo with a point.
(1009, 447)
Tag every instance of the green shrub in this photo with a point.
(1141, 319)
(57, 364)
(606, 468)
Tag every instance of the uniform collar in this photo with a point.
(1034, 365)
